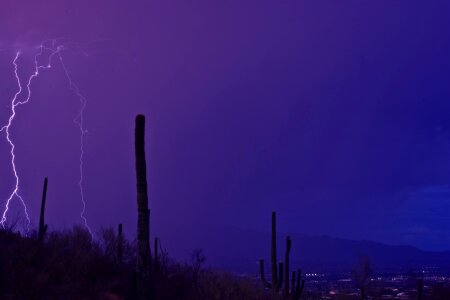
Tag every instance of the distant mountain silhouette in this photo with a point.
(239, 251)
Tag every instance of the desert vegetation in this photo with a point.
(70, 265)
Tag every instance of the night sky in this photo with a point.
(334, 114)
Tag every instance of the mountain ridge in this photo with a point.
(239, 250)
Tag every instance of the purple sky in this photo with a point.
(333, 114)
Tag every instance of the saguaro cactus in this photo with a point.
(143, 230)
(119, 244)
(155, 256)
(277, 274)
(42, 225)
(286, 265)
(281, 274)
(273, 256)
(297, 285)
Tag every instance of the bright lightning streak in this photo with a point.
(6, 128)
(54, 49)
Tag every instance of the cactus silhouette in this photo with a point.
(277, 278)
(280, 274)
(42, 225)
(298, 285)
(143, 230)
(286, 265)
(120, 244)
(155, 256)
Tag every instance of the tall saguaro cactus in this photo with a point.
(273, 256)
(277, 274)
(120, 244)
(143, 230)
(42, 225)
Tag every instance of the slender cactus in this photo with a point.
(42, 225)
(277, 273)
(293, 281)
(262, 274)
(273, 255)
(120, 244)
(286, 266)
(143, 230)
(155, 255)
(280, 276)
(297, 285)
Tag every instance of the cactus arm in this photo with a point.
(42, 225)
(299, 286)
(286, 266)
(262, 274)
(274, 248)
(280, 275)
(293, 282)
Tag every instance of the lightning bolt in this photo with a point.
(6, 128)
(79, 120)
(54, 49)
